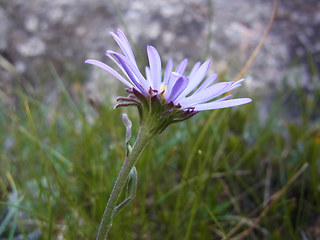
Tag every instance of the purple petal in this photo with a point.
(124, 45)
(131, 71)
(182, 66)
(205, 95)
(133, 68)
(110, 70)
(224, 98)
(210, 93)
(171, 82)
(207, 82)
(138, 76)
(167, 73)
(194, 69)
(178, 87)
(155, 67)
(240, 80)
(232, 86)
(197, 78)
(222, 104)
(148, 74)
(109, 55)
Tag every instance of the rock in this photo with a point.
(4, 26)
(64, 33)
(32, 47)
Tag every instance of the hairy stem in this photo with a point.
(142, 140)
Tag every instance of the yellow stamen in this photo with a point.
(164, 88)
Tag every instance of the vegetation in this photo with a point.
(222, 174)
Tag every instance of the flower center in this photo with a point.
(163, 89)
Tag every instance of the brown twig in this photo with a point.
(261, 42)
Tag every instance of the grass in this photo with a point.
(222, 174)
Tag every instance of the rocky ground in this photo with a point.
(35, 33)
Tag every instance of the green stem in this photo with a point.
(143, 139)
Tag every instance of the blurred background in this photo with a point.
(36, 33)
(54, 143)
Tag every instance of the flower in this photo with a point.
(176, 96)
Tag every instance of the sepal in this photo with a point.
(155, 113)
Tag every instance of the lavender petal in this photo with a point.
(210, 93)
(155, 67)
(207, 82)
(178, 88)
(139, 77)
(148, 74)
(222, 104)
(110, 70)
(131, 71)
(182, 66)
(174, 76)
(110, 54)
(224, 98)
(167, 73)
(197, 78)
(194, 69)
(124, 44)
(205, 95)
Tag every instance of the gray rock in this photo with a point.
(4, 26)
(32, 47)
(35, 33)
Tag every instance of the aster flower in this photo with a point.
(161, 101)
(174, 97)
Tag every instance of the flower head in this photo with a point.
(174, 97)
